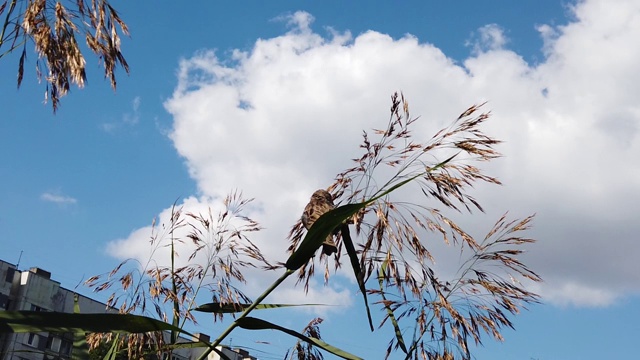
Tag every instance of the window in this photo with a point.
(32, 339)
(9, 277)
(53, 343)
(65, 347)
(36, 308)
(4, 302)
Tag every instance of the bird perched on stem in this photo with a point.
(320, 203)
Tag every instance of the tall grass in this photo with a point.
(391, 210)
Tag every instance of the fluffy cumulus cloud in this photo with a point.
(281, 119)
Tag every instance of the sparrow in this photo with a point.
(320, 203)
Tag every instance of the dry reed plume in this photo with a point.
(221, 251)
(53, 26)
(304, 351)
(392, 236)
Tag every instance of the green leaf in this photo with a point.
(321, 229)
(192, 345)
(236, 308)
(357, 271)
(41, 321)
(185, 345)
(113, 350)
(37, 321)
(251, 323)
(396, 327)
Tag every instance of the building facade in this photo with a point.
(34, 290)
(232, 354)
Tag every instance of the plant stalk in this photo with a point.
(246, 312)
(174, 287)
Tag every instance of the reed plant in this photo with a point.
(54, 29)
(392, 208)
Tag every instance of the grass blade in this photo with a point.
(113, 349)
(235, 308)
(357, 271)
(38, 321)
(321, 229)
(251, 323)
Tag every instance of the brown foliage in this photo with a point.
(52, 26)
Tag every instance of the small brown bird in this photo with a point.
(320, 203)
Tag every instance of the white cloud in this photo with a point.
(336, 298)
(572, 294)
(131, 118)
(58, 198)
(488, 37)
(298, 21)
(283, 118)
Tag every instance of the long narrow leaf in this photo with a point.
(251, 323)
(235, 308)
(40, 321)
(355, 264)
(222, 355)
(321, 228)
(113, 349)
(37, 321)
(256, 302)
(185, 345)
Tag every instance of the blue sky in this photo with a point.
(81, 187)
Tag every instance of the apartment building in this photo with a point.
(35, 290)
(232, 354)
